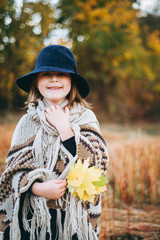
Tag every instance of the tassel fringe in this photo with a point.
(1, 235)
(76, 222)
(14, 228)
(40, 222)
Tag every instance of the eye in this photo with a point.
(63, 74)
(46, 74)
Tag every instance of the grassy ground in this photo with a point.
(133, 172)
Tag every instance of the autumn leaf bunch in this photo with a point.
(86, 182)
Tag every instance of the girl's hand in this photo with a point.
(60, 120)
(56, 116)
(51, 189)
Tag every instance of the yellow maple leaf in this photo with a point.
(100, 189)
(83, 179)
(91, 198)
(75, 176)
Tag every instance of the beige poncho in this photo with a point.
(37, 153)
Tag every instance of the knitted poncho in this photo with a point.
(37, 153)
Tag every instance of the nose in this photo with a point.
(54, 77)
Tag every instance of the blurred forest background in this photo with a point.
(117, 47)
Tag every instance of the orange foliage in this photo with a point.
(154, 41)
(114, 12)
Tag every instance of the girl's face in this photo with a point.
(54, 86)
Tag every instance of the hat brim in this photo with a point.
(25, 81)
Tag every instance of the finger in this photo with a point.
(54, 108)
(61, 185)
(47, 115)
(67, 111)
(59, 181)
(47, 110)
(62, 193)
(62, 190)
(57, 107)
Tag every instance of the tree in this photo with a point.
(150, 34)
(22, 35)
(106, 38)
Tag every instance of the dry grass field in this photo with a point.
(131, 206)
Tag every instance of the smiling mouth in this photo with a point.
(54, 88)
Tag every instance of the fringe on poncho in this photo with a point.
(37, 153)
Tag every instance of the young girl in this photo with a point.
(58, 129)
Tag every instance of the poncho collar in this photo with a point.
(37, 114)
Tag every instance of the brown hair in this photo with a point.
(73, 96)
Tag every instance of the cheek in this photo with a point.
(69, 87)
(68, 84)
(40, 84)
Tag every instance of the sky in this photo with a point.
(147, 6)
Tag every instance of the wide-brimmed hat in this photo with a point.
(55, 58)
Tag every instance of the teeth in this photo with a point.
(55, 88)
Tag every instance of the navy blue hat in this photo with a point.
(55, 58)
